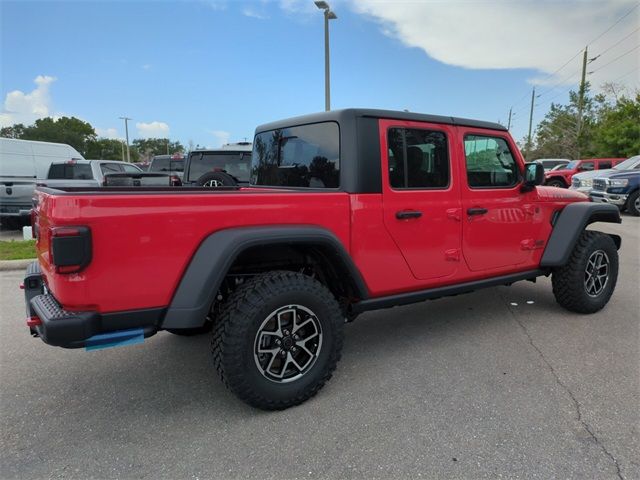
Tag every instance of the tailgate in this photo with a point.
(15, 195)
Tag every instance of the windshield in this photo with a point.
(235, 164)
(572, 165)
(629, 164)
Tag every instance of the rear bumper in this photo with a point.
(68, 329)
(14, 210)
(619, 199)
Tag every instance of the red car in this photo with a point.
(562, 176)
(347, 211)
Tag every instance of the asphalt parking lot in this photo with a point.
(498, 383)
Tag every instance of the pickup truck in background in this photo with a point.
(561, 177)
(583, 182)
(22, 164)
(347, 211)
(85, 173)
(621, 189)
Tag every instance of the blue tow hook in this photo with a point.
(119, 338)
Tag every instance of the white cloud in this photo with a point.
(111, 133)
(153, 129)
(146, 66)
(221, 137)
(20, 107)
(254, 13)
(515, 34)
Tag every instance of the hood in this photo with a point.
(595, 173)
(554, 193)
(629, 174)
(562, 171)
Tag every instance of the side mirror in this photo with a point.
(533, 175)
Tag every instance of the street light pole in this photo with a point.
(328, 15)
(126, 129)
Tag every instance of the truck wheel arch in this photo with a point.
(209, 265)
(568, 226)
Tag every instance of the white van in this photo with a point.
(22, 164)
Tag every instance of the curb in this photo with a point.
(9, 265)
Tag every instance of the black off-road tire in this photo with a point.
(632, 204)
(215, 180)
(237, 325)
(569, 281)
(556, 183)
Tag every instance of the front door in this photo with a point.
(498, 227)
(421, 199)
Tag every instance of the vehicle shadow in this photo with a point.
(174, 376)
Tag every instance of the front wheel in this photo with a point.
(278, 339)
(585, 284)
(556, 183)
(633, 204)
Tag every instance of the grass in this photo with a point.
(16, 250)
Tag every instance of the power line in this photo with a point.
(615, 23)
(617, 58)
(564, 80)
(628, 73)
(615, 44)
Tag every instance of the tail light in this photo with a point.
(70, 248)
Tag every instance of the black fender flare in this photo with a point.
(216, 254)
(568, 226)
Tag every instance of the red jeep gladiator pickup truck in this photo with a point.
(346, 211)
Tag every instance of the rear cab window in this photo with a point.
(70, 171)
(305, 156)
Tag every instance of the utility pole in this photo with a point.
(122, 146)
(509, 122)
(126, 129)
(533, 99)
(581, 92)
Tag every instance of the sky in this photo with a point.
(208, 72)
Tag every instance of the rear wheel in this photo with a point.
(585, 284)
(633, 204)
(278, 339)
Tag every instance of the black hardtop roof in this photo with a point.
(352, 113)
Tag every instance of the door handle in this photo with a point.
(477, 211)
(406, 214)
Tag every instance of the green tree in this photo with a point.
(558, 136)
(14, 131)
(148, 147)
(105, 149)
(618, 131)
(69, 130)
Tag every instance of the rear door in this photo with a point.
(421, 199)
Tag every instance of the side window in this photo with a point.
(130, 169)
(110, 168)
(604, 165)
(587, 166)
(418, 158)
(490, 163)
